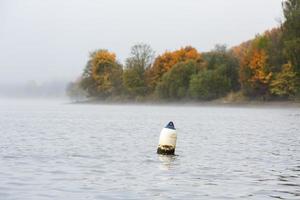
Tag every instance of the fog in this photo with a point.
(49, 41)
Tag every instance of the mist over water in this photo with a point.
(57, 150)
(32, 89)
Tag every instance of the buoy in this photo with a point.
(167, 140)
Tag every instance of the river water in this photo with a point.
(55, 150)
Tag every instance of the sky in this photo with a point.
(44, 40)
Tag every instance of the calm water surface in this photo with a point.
(52, 150)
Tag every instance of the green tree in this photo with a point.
(223, 60)
(140, 59)
(87, 82)
(175, 83)
(208, 85)
(274, 49)
(291, 36)
(291, 32)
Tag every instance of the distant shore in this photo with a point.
(218, 102)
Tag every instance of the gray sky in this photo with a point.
(51, 39)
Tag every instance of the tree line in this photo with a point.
(265, 68)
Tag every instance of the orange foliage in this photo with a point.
(254, 74)
(166, 61)
(258, 65)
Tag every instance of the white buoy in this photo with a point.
(167, 140)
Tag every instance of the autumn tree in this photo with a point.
(141, 58)
(102, 76)
(163, 63)
(255, 76)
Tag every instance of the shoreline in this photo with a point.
(214, 103)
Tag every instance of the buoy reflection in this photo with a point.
(166, 161)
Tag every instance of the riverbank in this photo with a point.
(218, 102)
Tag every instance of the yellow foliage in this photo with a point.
(105, 55)
(105, 71)
(100, 61)
(285, 82)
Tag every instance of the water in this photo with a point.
(51, 150)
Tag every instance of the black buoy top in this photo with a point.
(170, 125)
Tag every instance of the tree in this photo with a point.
(291, 36)
(166, 61)
(87, 82)
(175, 83)
(274, 49)
(291, 32)
(134, 82)
(102, 76)
(140, 59)
(284, 84)
(208, 85)
(141, 56)
(223, 60)
(255, 76)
